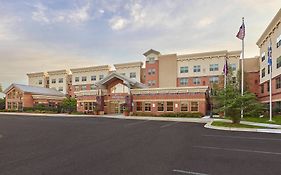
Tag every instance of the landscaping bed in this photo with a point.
(233, 125)
(276, 120)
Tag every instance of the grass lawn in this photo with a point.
(276, 120)
(225, 124)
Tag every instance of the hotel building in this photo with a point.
(271, 34)
(162, 83)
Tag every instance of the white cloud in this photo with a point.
(39, 14)
(118, 23)
(81, 14)
(77, 15)
(205, 21)
(7, 27)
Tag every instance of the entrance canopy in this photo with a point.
(115, 78)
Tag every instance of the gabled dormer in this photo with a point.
(151, 55)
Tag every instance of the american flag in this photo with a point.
(241, 33)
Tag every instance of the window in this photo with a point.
(76, 79)
(83, 88)
(147, 106)
(194, 107)
(197, 68)
(124, 74)
(160, 106)
(196, 80)
(93, 78)
(268, 88)
(40, 82)
(262, 88)
(60, 89)
(170, 106)
(214, 67)
(133, 75)
(139, 106)
(60, 80)
(278, 41)
(101, 77)
(151, 82)
(93, 87)
(84, 78)
(151, 71)
(263, 56)
(151, 59)
(233, 67)
(263, 73)
(9, 105)
(14, 105)
(184, 106)
(268, 69)
(53, 81)
(278, 83)
(183, 81)
(184, 69)
(278, 62)
(76, 88)
(214, 80)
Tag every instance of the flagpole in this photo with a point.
(270, 83)
(270, 95)
(242, 72)
(225, 74)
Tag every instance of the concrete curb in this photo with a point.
(193, 120)
(47, 115)
(267, 125)
(265, 130)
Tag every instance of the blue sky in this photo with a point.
(41, 35)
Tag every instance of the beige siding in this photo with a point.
(168, 71)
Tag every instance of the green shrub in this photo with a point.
(143, 114)
(171, 114)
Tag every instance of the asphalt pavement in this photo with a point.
(103, 146)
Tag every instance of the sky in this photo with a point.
(43, 35)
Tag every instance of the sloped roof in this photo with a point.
(151, 51)
(131, 81)
(35, 90)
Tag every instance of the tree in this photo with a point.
(69, 105)
(1, 90)
(230, 101)
(2, 103)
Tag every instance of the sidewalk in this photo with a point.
(275, 126)
(271, 128)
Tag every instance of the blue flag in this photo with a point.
(269, 53)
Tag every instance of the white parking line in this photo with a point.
(237, 150)
(136, 123)
(188, 172)
(167, 125)
(240, 137)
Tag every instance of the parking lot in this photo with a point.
(64, 145)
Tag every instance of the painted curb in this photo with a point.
(192, 120)
(272, 131)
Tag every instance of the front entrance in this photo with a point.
(116, 107)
